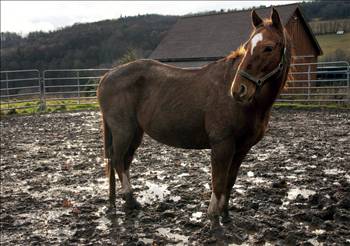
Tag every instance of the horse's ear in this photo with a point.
(276, 20)
(257, 21)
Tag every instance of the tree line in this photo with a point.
(330, 26)
(89, 45)
(109, 42)
(326, 10)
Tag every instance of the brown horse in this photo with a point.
(223, 106)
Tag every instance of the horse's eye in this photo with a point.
(268, 49)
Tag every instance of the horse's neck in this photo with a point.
(266, 98)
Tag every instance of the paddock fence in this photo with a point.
(70, 86)
(312, 83)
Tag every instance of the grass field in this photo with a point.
(51, 106)
(71, 105)
(331, 42)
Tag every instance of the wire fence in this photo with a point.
(312, 83)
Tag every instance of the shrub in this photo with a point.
(12, 111)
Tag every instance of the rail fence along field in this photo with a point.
(19, 89)
(313, 83)
(70, 86)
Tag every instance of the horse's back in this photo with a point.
(167, 102)
(141, 73)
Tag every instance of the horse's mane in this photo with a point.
(240, 51)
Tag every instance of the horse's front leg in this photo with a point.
(231, 179)
(221, 158)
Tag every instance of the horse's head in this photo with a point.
(264, 58)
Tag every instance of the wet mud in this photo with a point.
(293, 187)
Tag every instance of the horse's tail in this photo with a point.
(107, 145)
(107, 135)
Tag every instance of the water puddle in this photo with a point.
(257, 180)
(45, 220)
(250, 174)
(289, 168)
(205, 169)
(165, 232)
(262, 157)
(61, 233)
(314, 242)
(333, 171)
(183, 175)
(293, 193)
(239, 189)
(175, 198)
(153, 193)
(103, 222)
(347, 176)
(280, 149)
(146, 240)
(206, 186)
(196, 217)
(55, 192)
(318, 231)
(300, 170)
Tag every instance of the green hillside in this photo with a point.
(335, 46)
(87, 45)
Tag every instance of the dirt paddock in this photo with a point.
(293, 187)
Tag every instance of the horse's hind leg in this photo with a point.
(111, 176)
(123, 147)
(129, 198)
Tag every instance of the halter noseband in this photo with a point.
(259, 82)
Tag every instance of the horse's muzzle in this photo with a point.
(242, 95)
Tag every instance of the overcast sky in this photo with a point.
(26, 16)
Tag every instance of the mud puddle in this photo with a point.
(293, 187)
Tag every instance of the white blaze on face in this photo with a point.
(255, 40)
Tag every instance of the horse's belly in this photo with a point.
(172, 115)
(181, 141)
(178, 136)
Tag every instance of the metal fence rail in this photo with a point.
(318, 83)
(312, 83)
(18, 88)
(70, 86)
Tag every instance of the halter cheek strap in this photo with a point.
(259, 82)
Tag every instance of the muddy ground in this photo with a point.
(293, 187)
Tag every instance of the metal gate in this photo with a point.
(70, 86)
(312, 83)
(318, 83)
(18, 88)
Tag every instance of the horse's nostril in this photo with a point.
(242, 90)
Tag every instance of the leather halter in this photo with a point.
(259, 82)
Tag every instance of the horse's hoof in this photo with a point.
(111, 211)
(226, 219)
(112, 205)
(133, 204)
(214, 221)
(218, 233)
(130, 202)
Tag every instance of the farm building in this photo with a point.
(197, 40)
